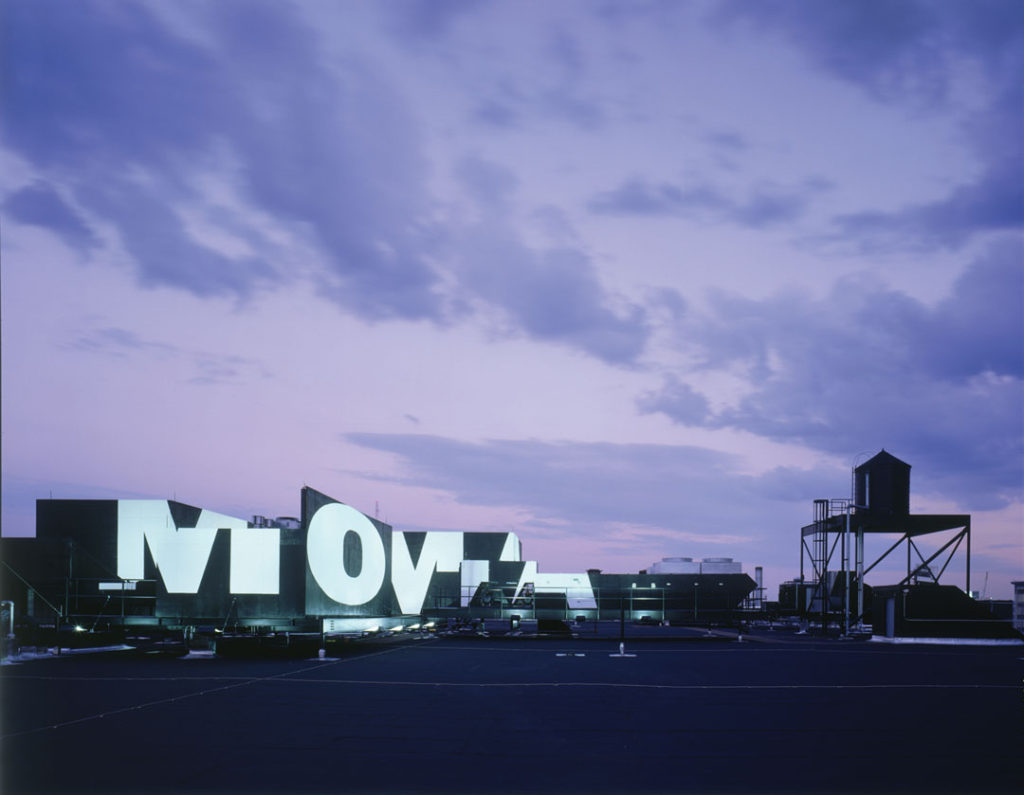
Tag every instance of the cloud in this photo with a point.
(165, 253)
(677, 400)
(208, 368)
(977, 329)
(566, 96)
(765, 205)
(994, 203)
(216, 155)
(551, 294)
(427, 20)
(497, 112)
(869, 367)
(727, 141)
(914, 54)
(897, 50)
(594, 490)
(219, 369)
(118, 342)
(554, 88)
(487, 182)
(40, 205)
(637, 196)
(886, 46)
(133, 117)
(565, 103)
(510, 105)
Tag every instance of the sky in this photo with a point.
(631, 279)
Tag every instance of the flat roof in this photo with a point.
(913, 524)
(777, 712)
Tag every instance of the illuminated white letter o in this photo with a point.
(325, 549)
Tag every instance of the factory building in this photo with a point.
(109, 565)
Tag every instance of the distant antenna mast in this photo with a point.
(376, 509)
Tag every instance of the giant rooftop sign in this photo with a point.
(349, 563)
(337, 562)
(161, 561)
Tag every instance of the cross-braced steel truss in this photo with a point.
(836, 581)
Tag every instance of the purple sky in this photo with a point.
(632, 280)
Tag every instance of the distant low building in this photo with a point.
(691, 566)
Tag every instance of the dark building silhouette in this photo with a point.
(882, 486)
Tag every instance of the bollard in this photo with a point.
(622, 651)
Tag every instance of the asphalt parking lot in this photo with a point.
(776, 713)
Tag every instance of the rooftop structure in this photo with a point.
(832, 563)
(114, 564)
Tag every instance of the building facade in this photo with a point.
(104, 564)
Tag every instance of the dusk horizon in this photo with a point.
(629, 280)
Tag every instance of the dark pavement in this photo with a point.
(777, 713)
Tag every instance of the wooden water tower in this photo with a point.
(882, 486)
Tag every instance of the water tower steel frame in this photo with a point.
(836, 522)
(879, 502)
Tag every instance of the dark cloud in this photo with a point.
(908, 52)
(977, 329)
(119, 342)
(164, 252)
(671, 301)
(589, 488)
(870, 367)
(725, 149)
(121, 89)
(510, 106)
(992, 204)
(764, 206)
(487, 182)
(427, 20)
(566, 96)
(677, 400)
(887, 46)
(728, 141)
(126, 118)
(209, 368)
(555, 224)
(213, 369)
(565, 103)
(636, 196)
(40, 205)
(129, 110)
(558, 93)
(564, 49)
(503, 108)
(551, 294)
(498, 113)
